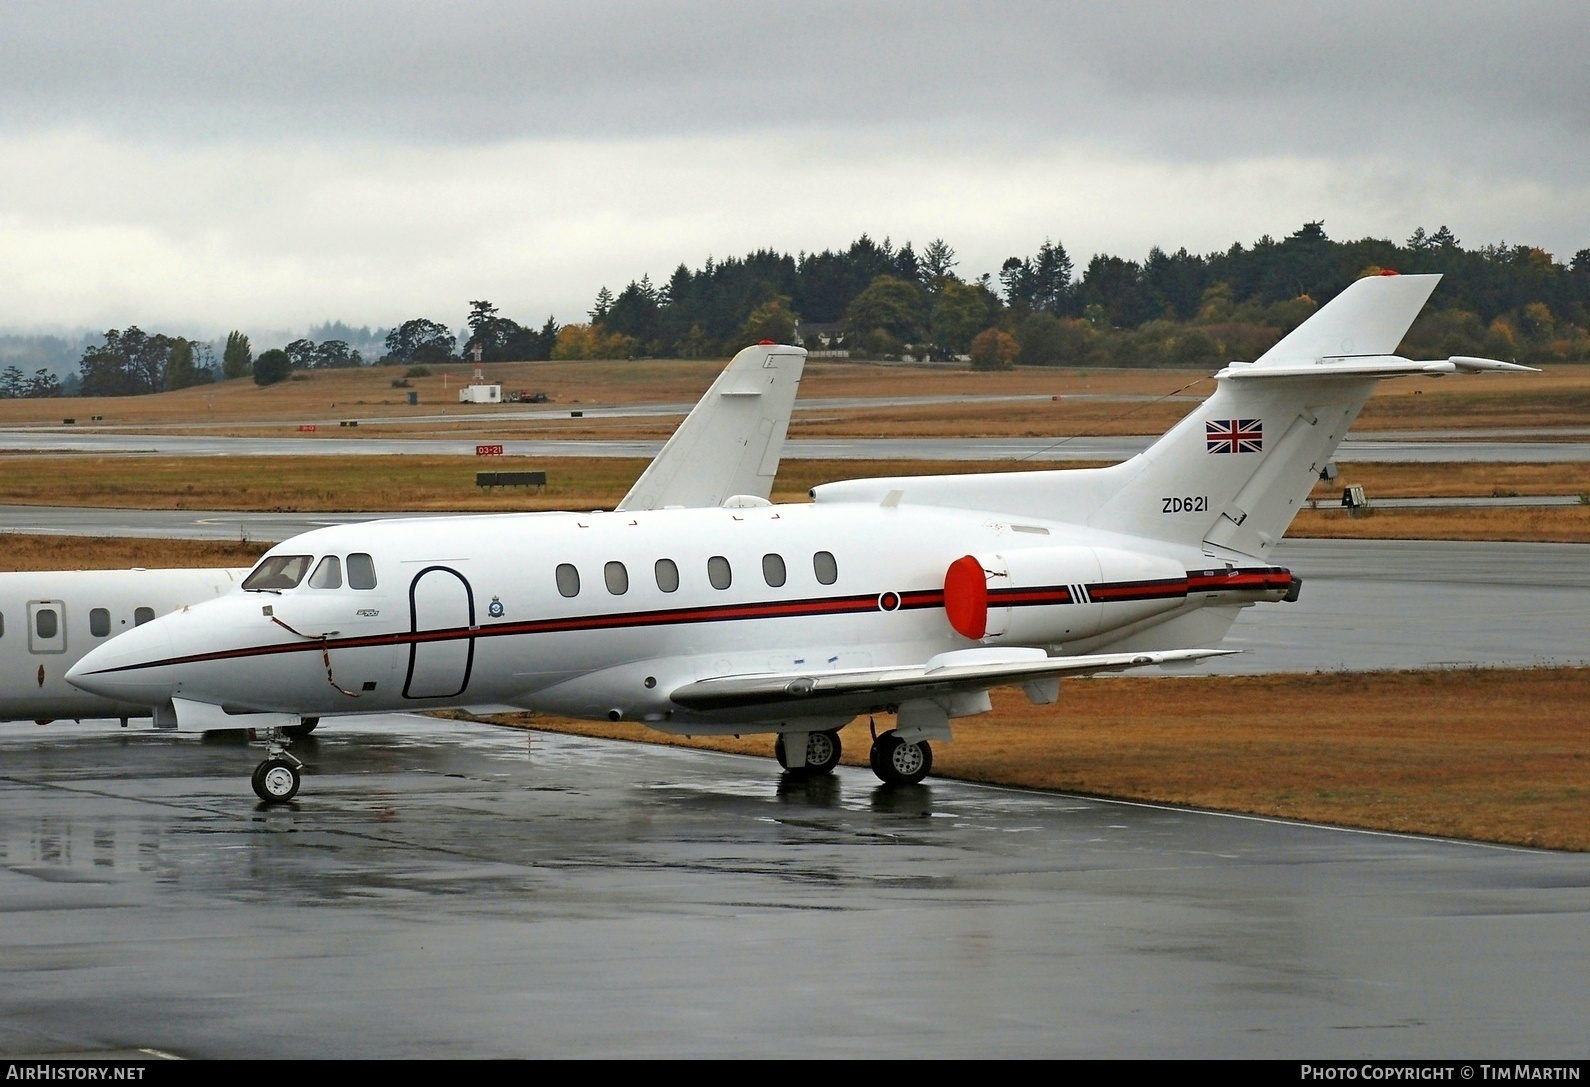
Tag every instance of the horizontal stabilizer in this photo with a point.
(966, 670)
(1370, 317)
(1377, 366)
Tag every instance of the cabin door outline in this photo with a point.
(440, 667)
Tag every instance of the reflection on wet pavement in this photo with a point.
(451, 889)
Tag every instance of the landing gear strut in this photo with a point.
(276, 780)
(897, 762)
(822, 754)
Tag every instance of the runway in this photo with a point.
(450, 890)
(1355, 449)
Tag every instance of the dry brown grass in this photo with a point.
(414, 483)
(380, 484)
(24, 551)
(1445, 480)
(1553, 524)
(368, 392)
(1496, 755)
(1559, 397)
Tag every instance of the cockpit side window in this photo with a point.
(361, 572)
(328, 575)
(278, 572)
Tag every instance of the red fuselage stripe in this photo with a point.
(913, 600)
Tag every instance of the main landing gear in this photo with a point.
(822, 754)
(276, 780)
(899, 762)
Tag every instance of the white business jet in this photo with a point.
(909, 595)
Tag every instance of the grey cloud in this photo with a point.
(1197, 78)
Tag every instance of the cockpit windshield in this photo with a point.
(278, 572)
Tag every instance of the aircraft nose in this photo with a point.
(130, 667)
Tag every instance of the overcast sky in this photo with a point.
(196, 167)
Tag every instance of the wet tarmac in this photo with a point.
(445, 889)
(1376, 604)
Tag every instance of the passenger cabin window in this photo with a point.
(667, 575)
(773, 570)
(824, 566)
(328, 575)
(46, 623)
(617, 578)
(568, 580)
(142, 616)
(361, 572)
(2, 625)
(277, 572)
(99, 622)
(718, 572)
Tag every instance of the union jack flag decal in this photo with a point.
(1234, 435)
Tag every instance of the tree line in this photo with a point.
(1171, 309)
(876, 300)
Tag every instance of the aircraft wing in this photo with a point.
(948, 673)
(731, 441)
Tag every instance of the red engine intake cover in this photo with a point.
(966, 597)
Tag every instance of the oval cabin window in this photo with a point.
(824, 566)
(667, 575)
(617, 578)
(142, 616)
(773, 570)
(568, 579)
(99, 622)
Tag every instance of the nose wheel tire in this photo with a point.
(276, 781)
(822, 754)
(897, 762)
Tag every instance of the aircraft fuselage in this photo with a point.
(603, 615)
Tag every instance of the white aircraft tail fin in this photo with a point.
(730, 443)
(1231, 475)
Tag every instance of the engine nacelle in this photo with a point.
(1058, 594)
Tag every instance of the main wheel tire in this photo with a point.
(303, 728)
(822, 753)
(276, 781)
(897, 762)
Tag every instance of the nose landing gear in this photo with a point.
(276, 780)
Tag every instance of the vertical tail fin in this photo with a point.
(732, 440)
(1233, 473)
